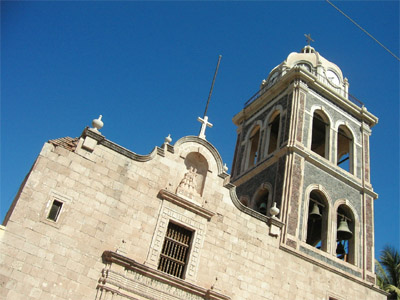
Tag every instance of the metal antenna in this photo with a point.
(212, 85)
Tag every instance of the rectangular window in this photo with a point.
(55, 210)
(175, 251)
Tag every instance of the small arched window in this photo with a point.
(345, 149)
(317, 221)
(254, 142)
(320, 134)
(273, 133)
(345, 245)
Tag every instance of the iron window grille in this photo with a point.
(175, 251)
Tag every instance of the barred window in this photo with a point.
(175, 251)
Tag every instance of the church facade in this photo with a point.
(293, 220)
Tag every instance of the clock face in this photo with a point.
(332, 77)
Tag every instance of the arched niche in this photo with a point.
(197, 168)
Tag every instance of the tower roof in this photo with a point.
(309, 60)
(309, 55)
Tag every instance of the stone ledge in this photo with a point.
(313, 159)
(149, 282)
(171, 197)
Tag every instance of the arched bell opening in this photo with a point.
(345, 149)
(320, 134)
(317, 221)
(345, 245)
(273, 132)
(254, 142)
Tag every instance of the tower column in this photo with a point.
(294, 163)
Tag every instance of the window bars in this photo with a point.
(175, 251)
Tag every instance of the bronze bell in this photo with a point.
(340, 249)
(263, 208)
(315, 214)
(343, 231)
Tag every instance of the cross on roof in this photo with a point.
(204, 123)
(309, 39)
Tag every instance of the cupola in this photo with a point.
(311, 62)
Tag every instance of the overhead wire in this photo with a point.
(366, 32)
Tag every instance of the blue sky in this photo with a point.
(147, 68)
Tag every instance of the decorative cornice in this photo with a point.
(285, 83)
(114, 292)
(101, 140)
(171, 197)
(110, 257)
(312, 158)
(170, 148)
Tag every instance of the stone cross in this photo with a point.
(204, 123)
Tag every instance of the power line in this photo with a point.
(363, 30)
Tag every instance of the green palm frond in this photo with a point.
(387, 270)
(381, 276)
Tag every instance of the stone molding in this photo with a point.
(101, 140)
(188, 205)
(130, 279)
(166, 215)
(312, 158)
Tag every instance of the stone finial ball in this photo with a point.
(97, 123)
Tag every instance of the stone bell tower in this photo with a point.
(303, 143)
